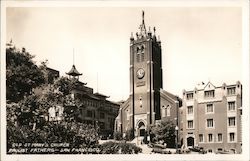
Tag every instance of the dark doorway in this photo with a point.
(142, 132)
(190, 141)
(141, 127)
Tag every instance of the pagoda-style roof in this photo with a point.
(73, 71)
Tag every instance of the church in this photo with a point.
(147, 103)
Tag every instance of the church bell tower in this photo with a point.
(145, 78)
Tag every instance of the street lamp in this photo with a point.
(176, 127)
(176, 138)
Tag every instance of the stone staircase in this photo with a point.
(145, 149)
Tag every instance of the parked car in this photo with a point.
(197, 149)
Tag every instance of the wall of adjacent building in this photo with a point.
(220, 116)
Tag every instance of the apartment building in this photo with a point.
(211, 118)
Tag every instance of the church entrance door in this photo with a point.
(141, 127)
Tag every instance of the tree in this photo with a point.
(26, 121)
(22, 74)
(64, 85)
(30, 100)
(165, 131)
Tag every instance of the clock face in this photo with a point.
(140, 73)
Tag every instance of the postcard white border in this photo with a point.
(244, 4)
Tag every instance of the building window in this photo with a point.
(142, 56)
(102, 115)
(210, 123)
(232, 137)
(210, 137)
(190, 110)
(219, 137)
(127, 114)
(102, 125)
(190, 124)
(210, 108)
(142, 53)
(190, 96)
(138, 57)
(168, 110)
(231, 121)
(163, 114)
(81, 111)
(231, 106)
(142, 48)
(137, 50)
(89, 113)
(140, 100)
(164, 109)
(231, 91)
(201, 139)
(209, 94)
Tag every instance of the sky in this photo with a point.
(199, 44)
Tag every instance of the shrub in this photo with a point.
(117, 135)
(119, 148)
(130, 134)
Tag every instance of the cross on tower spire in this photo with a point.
(142, 17)
(142, 26)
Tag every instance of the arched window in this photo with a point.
(137, 50)
(137, 54)
(163, 111)
(168, 110)
(142, 56)
(127, 113)
(137, 57)
(142, 53)
(142, 48)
